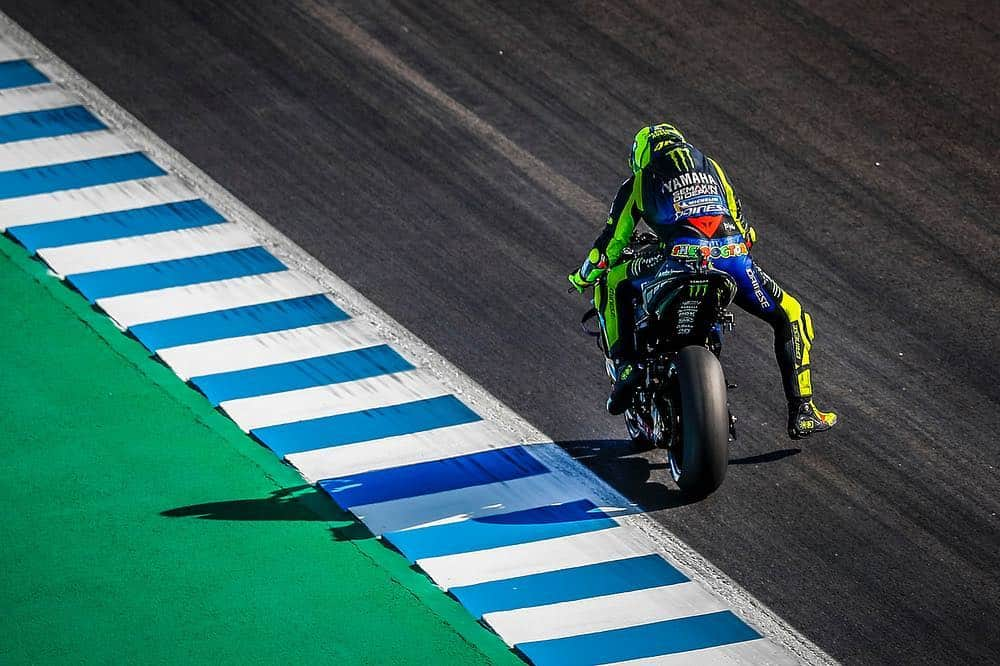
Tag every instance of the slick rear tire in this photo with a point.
(704, 422)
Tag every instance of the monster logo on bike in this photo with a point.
(680, 405)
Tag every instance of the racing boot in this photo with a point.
(804, 419)
(621, 393)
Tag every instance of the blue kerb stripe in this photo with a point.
(646, 640)
(436, 476)
(370, 424)
(46, 123)
(593, 580)
(544, 522)
(317, 371)
(236, 322)
(71, 175)
(14, 73)
(175, 273)
(121, 224)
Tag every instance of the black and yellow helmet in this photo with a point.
(652, 138)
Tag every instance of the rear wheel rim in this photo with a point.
(675, 445)
(632, 425)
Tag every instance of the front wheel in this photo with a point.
(699, 458)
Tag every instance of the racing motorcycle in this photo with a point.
(680, 405)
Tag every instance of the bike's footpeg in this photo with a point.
(732, 387)
(732, 425)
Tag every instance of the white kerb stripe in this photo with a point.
(459, 440)
(472, 502)
(61, 149)
(524, 559)
(759, 652)
(254, 351)
(319, 401)
(68, 204)
(173, 302)
(34, 98)
(8, 52)
(603, 613)
(146, 249)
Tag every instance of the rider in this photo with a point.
(686, 199)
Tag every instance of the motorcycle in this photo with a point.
(680, 404)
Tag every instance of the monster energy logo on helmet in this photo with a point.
(650, 138)
(681, 157)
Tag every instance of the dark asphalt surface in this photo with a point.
(441, 177)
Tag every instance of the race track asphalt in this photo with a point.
(453, 160)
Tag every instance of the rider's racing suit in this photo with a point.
(687, 200)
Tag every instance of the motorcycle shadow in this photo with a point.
(641, 474)
(770, 456)
(630, 471)
(294, 503)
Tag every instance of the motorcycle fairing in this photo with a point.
(678, 280)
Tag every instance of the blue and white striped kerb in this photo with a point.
(527, 549)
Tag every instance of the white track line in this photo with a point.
(9, 52)
(604, 613)
(34, 98)
(146, 249)
(319, 401)
(252, 351)
(112, 198)
(524, 559)
(173, 302)
(61, 149)
(399, 451)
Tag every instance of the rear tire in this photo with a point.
(704, 417)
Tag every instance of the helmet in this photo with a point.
(649, 139)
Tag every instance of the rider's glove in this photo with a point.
(578, 282)
(593, 267)
(750, 237)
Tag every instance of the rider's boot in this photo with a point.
(805, 419)
(621, 393)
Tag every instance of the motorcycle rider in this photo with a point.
(687, 200)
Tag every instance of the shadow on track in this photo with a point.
(770, 456)
(295, 503)
(619, 463)
(639, 474)
(645, 478)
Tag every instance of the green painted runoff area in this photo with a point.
(141, 526)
